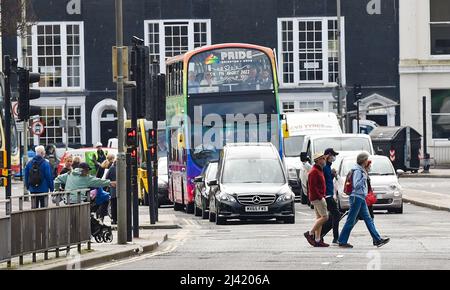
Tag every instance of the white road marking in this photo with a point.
(303, 213)
(326, 263)
(340, 256)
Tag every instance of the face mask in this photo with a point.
(333, 158)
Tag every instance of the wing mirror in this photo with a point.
(213, 182)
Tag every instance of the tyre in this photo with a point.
(177, 206)
(197, 210)
(289, 220)
(190, 208)
(220, 220)
(396, 210)
(303, 197)
(212, 217)
(204, 211)
(107, 237)
(98, 238)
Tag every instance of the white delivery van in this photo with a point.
(344, 144)
(300, 125)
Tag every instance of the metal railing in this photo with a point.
(62, 223)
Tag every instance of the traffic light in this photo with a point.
(25, 78)
(140, 72)
(153, 144)
(161, 98)
(357, 91)
(131, 140)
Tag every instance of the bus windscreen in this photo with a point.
(229, 70)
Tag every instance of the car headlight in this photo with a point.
(397, 193)
(292, 173)
(286, 197)
(227, 197)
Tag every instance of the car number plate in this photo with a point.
(256, 208)
(379, 196)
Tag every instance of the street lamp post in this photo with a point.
(339, 80)
(121, 157)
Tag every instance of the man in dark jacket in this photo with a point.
(39, 178)
(335, 215)
(316, 194)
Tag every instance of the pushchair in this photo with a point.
(100, 231)
(99, 209)
(100, 203)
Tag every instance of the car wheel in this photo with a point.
(400, 210)
(204, 211)
(190, 208)
(220, 220)
(177, 206)
(197, 210)
(304, 198)
(289, 220)
(212, 217)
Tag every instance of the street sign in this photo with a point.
(37, 128)
(19, 126)
(15, 109)
(124, 63)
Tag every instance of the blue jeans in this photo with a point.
(358, 207)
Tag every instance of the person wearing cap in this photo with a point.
(316, 194)
(79, 178)
(358, 206)
(98, 158)
(335, 215)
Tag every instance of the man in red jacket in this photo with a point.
(317, 194)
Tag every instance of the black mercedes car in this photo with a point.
(251, 184)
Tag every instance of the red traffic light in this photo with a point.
(131, 140)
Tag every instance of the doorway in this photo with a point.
(108, 126)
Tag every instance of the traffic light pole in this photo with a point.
(7, 71)
(134, 116)
(121, 158)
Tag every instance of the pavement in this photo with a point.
(151, 237)
(433, 173)
(431, 193)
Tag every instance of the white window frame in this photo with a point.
(78, 101)
(295, 22)
(63, 35)
(162, 44)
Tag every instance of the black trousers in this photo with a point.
(333, 219)
(38, 201)
(114, 209)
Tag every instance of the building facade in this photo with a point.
(70, 43)
(425, 71)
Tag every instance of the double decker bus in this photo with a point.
(217, 94)
(14, 138)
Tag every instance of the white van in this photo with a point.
(300, 125)
(344, 144)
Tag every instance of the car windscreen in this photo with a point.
(381, 167)
(342, 144)
(293, 146)
(253, 171)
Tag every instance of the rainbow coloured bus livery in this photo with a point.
(218, 94)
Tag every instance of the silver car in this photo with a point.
(384, 183)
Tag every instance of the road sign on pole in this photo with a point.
(37, 128)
